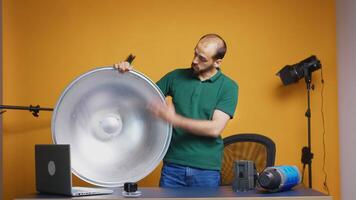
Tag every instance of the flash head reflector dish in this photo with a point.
(113, 137)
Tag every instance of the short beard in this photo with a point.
(201, 71)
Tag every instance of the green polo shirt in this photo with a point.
(197, 99)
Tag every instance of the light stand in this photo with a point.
(35, 110)
(307, 154)
(291, 74)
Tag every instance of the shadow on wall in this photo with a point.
(288, 92)
(25, 122)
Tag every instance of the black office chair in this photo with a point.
(258, 148)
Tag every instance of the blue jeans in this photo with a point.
(173, 175)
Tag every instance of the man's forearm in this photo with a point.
(207, 128)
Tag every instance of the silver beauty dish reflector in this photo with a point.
(113, 137)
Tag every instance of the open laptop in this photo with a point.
(54, 175)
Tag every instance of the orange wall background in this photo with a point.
(47, 44)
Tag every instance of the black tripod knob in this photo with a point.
(130, 187)
(307, 155)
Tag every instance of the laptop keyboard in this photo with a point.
(89, 191)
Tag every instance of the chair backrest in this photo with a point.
(248, 146)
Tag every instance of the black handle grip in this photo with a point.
(130, 58)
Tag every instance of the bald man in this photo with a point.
(204, 100)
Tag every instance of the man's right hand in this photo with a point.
(123, 66)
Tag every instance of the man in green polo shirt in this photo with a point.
(204, 100)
